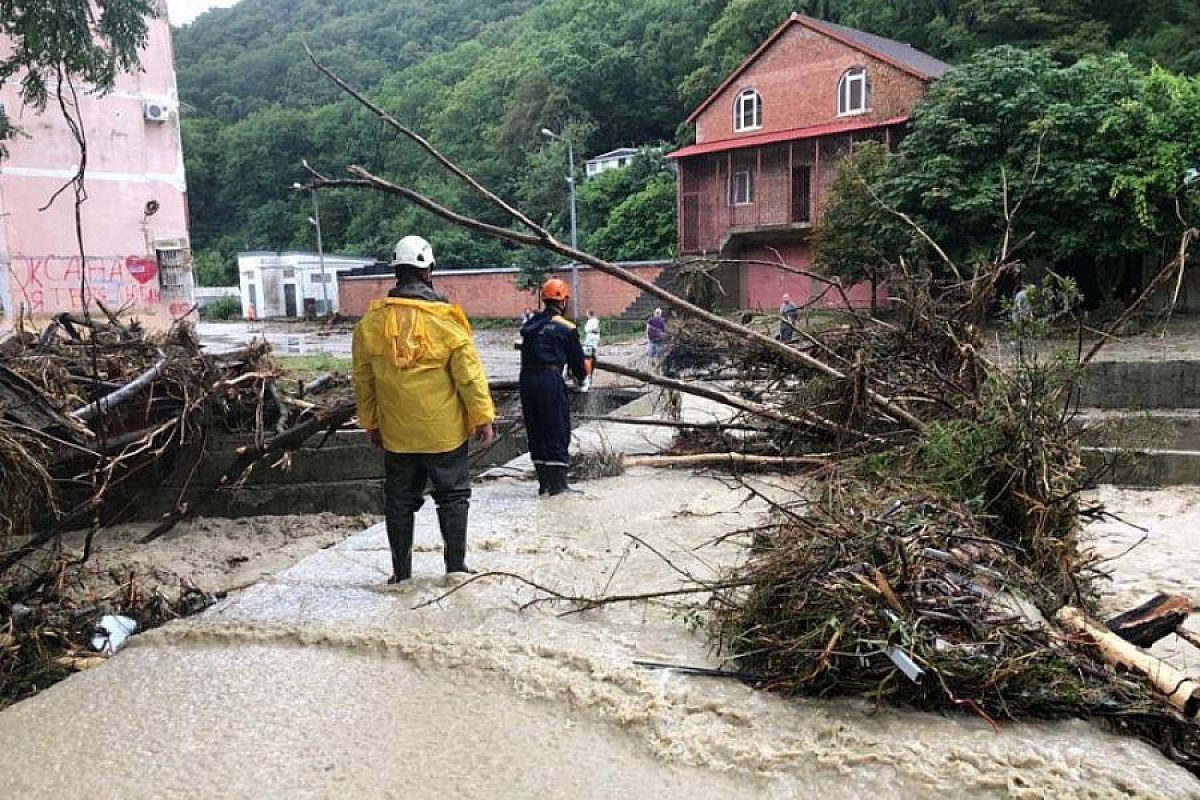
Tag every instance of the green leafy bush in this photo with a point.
(226, 308)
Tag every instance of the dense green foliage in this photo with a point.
(480, 78)
(1088, 160)
(53, 44)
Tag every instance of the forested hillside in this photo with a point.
(480, 78)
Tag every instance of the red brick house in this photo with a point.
(768, 141)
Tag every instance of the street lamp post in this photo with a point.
(574, 218)
(316, 222)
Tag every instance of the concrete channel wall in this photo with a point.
(1141, 384)
(1129, 443)
(1141, 426)
(342, 473)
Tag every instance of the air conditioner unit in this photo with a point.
(157, 112)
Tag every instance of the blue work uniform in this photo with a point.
(548, 343)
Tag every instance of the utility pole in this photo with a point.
(574, 218)
(315, 221)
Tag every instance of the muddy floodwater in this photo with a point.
(322, 682)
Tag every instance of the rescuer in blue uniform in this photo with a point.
(549, 342)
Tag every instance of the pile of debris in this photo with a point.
(934, 565)
(88, 406)
(95, 412)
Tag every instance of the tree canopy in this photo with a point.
(1086, 161)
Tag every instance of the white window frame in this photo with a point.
(741, 188)
(748, 100)
(854, 75)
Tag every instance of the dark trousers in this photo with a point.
(407, 474)
(547, 411)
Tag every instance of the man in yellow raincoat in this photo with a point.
(422, 394)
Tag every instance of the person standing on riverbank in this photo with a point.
(788, 312)
(550, 342)
(591, 346)
(421, 393)
(656, 335)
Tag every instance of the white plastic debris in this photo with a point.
(905, 664)
(111, 633)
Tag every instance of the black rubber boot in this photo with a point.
(556, 478)
(543, 488)
(453, 521)
(400, 539)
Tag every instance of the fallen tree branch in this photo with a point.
(700, 459)
(583, 603)
(542, 239)
(421, 142)
(808, 418)
(248, 454)
(1164, 275)
(666, 423)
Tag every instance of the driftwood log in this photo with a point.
(704, 459)
(126, 392)
(1181, 691)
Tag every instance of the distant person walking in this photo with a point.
(591, 346)
(550, 342)
(1022, 306)
(421, 393)
(788, 313)
(591, 331)
(656, 335)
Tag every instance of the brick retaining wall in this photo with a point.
(493, 293)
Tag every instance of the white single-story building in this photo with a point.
(613, 159)
(283, 284)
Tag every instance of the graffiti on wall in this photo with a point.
(48, 284)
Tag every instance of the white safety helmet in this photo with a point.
(413, 251)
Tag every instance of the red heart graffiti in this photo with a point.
(142, 268)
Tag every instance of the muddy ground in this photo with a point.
(213, 555)
(320, 681)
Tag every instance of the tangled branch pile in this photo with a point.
(924, 565)
(89, 409)
(94, 414)
(980, 464)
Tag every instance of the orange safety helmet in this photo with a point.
(554, 289)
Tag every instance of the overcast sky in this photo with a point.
(184, 11)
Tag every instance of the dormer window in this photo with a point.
(854, 92)
(747, 111)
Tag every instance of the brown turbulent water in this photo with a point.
(323, 683)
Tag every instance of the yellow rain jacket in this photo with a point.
(417, 376)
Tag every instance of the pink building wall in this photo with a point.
(134, 259)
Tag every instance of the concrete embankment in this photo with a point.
(1142, 422)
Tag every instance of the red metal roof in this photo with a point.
(898, 54)
(790, 135)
